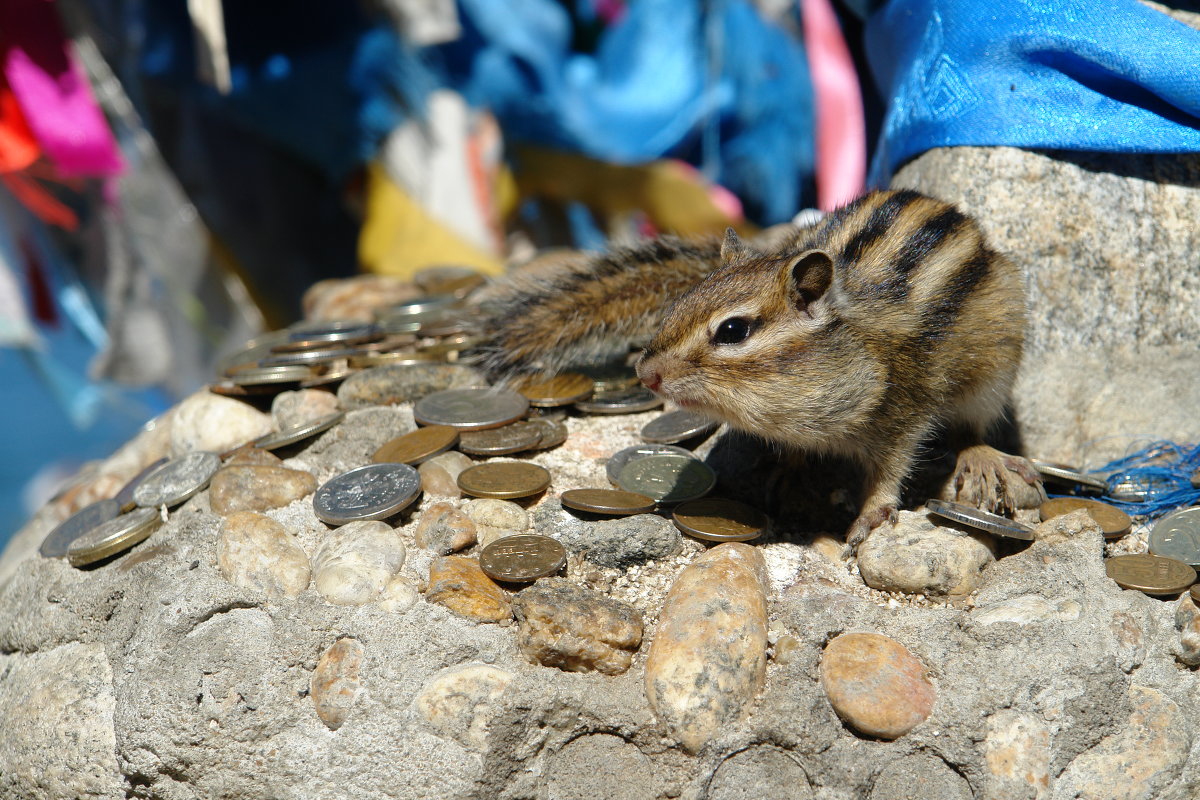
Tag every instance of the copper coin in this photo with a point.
(515, 438)
(1195, 592)
(625, 401)
(504, 480)
(613, 502)
(678, 426)
(1150, 574)
(1112, 521)
(719, 520)
(553, 432)
(420, 445)
(522, 558)
(470, 409)
(561, 390)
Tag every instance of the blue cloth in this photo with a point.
(1110, 76)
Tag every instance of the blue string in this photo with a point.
(1161, 472)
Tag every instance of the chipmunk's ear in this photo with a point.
(808, 277)
(732, 247)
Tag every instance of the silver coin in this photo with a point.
(515, 438)
(624, 401)
(259, 376)
(982, 520)
(309, 358)
(177, 480)
(678, 426)
(332, 331)
(668, 479)
(1178, 536)
(420, 305)
(110, 538)
(85, 519)
(298, 432)
(1064, 475)
(618, 461)
(553, 432)
(252, 351)
(470, 409)
(125, 496)
(376, 491)
(418, 323)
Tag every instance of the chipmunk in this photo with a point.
(859, 336)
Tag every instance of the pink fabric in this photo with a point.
(841, 131)
(52, 90)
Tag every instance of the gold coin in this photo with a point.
(522, 558)
(515, 438)
(418, 446)
(607, 501)
(1150, 574)
(719, 520)
(504, 480)
(1112, 521)
(561, 390)
(113, 536)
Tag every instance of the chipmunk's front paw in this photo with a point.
(868, 520)
(994, 481)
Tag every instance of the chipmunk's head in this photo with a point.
(761, 344)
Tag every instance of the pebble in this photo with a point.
(356, 298)
(615, 543)
(708, 660)
(390, 385)
(1017, 754)
(251, 456)
(444, 529)
(1187, 622)
(256, 552)
(399, 595)
(458, 583)
(305, 405)
(460, 701)
(356, 561)
(335, 682)
(917, 557)
(207, 421)
(257, 488)
(576, 629)
(1026, 609)
(876, 685)
(439, 475)
(495, 519)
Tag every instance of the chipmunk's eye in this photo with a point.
(733, 330)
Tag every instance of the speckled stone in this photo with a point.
(918, 557)
(615, 543)
(1017, 754)
(875, 685)
(708, 657)
(257, 488)
(335, 683)
(495, 519)
(444, 529)
(1026, 609)
(251, 456)
(1187, 622)
(304, 405)
(356, 298)
(461, 586)
(459, 702)
(404, 383)
(256, 552)
(356, 561)
(575, 628)
(399, 595)
(207, 421)
(439, 475)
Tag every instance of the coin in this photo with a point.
(110, 538)
(1061, 474)
(720, 520)
(1178, 536)
(522, 558)
(610, 376)
(310, 358)
(617, 462)
(418, 446)
(514, 438)
(470, 409)
(561, 390)
(413, 323)
(1195, 593)
(982, 520)
(677, 426)
(332, 374)
(262, 376)
(85, 519)
(668, 479)
(375, 491)
(251, 352)
(504, 480)
(368, 335)
(330, 331)
(177, 480)
(552, 432)
(623, 401)
(1112, 521)
(391, 359)
(614, 502)
(298, 432)
(449, 280)
(125, 496)
(1150, 574)
(420, 305)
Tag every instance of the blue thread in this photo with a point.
(1161, 472)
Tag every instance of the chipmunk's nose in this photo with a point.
(649, 370)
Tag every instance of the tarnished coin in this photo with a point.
(1112, 521)
(552, 432)
(981, 520)
(622, 457)
(677, 426)
(420, 445)
(561, 390)
(125, 496)
(376, 491)
(669, 479)
(330, 331)
(114, 536)
(470, 409)
(719, 520)
(1195, 593)
(504, 480)
(515, 438)
(270, 376)
(298, 432)
(1178, 536)
(613, 502)
(177, 480)
(623, 401)
(85, 519)
(1060, 474)
(1150, 574)
(522, 558)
